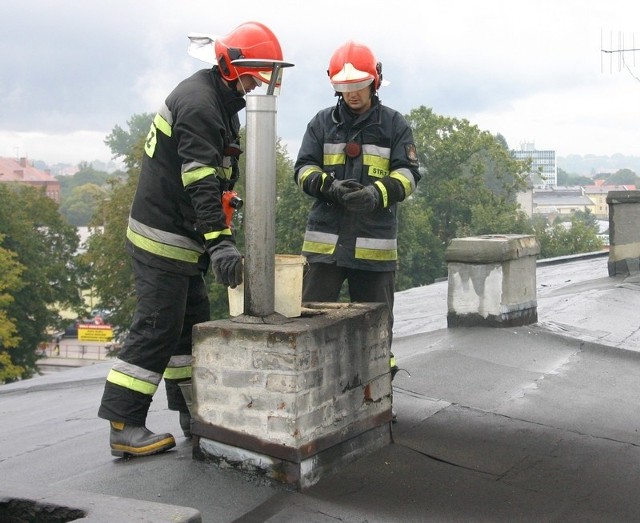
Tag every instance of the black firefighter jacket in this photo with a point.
(190, 158)
(386, 157)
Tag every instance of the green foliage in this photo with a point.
(566, 179)
(564, 238)
(9, 371)
(79, 206)
(623, 177)
(80, 193)
(10, 281)
(86, 174)
(499, 218)
(469, 186)
(620, 177)
(125, 143)
(45, 246)
(420, 252)
(106, 262)
(292, 207)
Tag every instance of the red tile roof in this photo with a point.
(21, 171)
(12, 170)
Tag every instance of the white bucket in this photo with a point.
(287, 288)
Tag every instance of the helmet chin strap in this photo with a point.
(233, 84)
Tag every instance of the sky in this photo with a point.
(533, 71)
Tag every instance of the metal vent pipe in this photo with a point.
(260, 208)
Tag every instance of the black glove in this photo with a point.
(366, 199)
(336, 190)
(226, 263)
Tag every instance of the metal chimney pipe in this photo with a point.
(260, 208)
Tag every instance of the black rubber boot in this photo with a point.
(185, 423)
(131, 440)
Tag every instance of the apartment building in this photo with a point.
(543, 172)
(597, 193)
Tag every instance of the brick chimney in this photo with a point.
(23, 161)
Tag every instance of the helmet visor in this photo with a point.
(350, 79)
(345, 87)
(257, 69)
(265, 76)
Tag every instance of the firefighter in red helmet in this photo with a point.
(353, 67)
(251, 41)
(177, 229)
(358, 161)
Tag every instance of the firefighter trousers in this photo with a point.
(322, 282)
(158, 344)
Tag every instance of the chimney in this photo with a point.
(23, 161)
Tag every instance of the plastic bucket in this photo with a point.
(287, 288)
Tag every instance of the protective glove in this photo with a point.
(336, 190)
(226, 263)
(364, 200)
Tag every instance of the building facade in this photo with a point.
(598, 195)
(556, 202)
(543, 172)
(21, 171)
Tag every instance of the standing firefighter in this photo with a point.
(358, 160)
(177, 227)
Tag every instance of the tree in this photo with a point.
(106, 263)
(566, 179)
(420, 252)
(501, 218)
(125, 143)
(469, 186)
(86, 174)
(80, 193)
(45, 245)
(292, 206)
(10, 281)
(79, 206)
(623, 177)
(578, 235)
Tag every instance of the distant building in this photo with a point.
(544, 172)
(21, 171)
(525, 200)
(598, 195)
(564, 201)
(561, 201)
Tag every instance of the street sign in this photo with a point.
(92, 332)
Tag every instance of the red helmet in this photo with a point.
(353, 67)
(252, 41)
